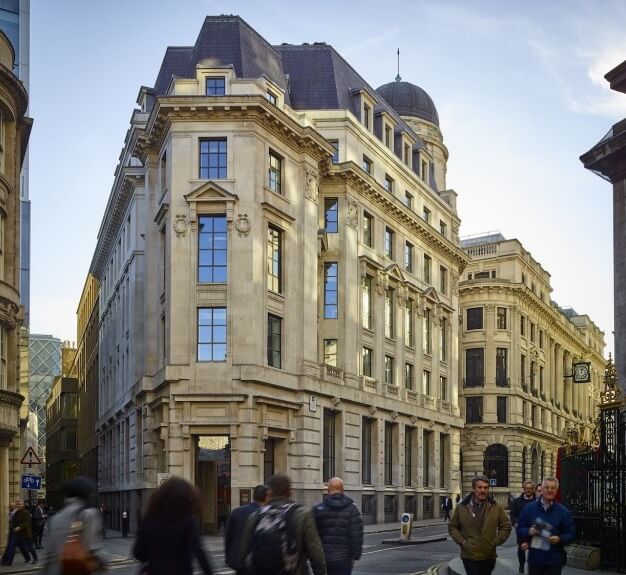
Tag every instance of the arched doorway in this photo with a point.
(496, 465)
(534, 466)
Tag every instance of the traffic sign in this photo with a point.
(31, 482)
(30, 457)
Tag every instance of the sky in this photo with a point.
(518, 85)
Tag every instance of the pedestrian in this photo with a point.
(538, 491)
(527, 496)
(478, 525)
(77, 514)
(168, 541)
(458, 498)
(236, 524)
(546, 527)
(125, 522)
(103, 519)
(23, 529)
(281, 536)
(447, 507)
(13, 541)
(39, 521)
(340, 528)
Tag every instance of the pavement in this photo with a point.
(506, 564)
(119, 549)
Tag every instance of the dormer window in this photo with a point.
(216, 86)
(424, 170)
(388, 136)
(407, 155)
(367, 111)
(272, 98)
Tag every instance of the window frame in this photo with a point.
(275, 172)
(331, 209)
(274, 320)
(222, 159)
(214, 78)
(212, 342)
(274, 258)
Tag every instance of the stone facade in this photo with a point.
(14, 133)
(271, 302)
(517, 350)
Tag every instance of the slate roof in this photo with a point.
(410, 100)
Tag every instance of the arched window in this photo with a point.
(496, 465)
(523, 464)
(543, 464)
(534, 466)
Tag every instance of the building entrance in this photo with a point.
(213, 480)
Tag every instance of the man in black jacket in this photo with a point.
(340, 527)
(235, 526)
(518, 504)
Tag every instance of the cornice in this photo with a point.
(241, 108)
(354, 176)
(12, 87)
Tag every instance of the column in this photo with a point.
(558, 375)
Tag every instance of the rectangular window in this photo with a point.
(216, 86)
(213, 159)
(368, 229)
(366, 116)
(408, 324)
(502, 379)
(212, 334)
(408, 200)
(532, 332)
(473, 409)
(443, 280)
(426, 215)
(329, 445)
(274, 341)
(523, 369)
(389, 239)
(367, 165)
(335, 145)
(212, 249)
(408, 257)
(474, 367)
(428, 436)
(407, 154)
(389, 183)
(366, 451)
(474, 318)
(443, 344)
(426, 389)
(428, 264)
(388, 453)
(331, 215)
(408, 455)
(388, 135)
(427, 333)
(269, 459)
(274, 259)
(424, 170)
(540, 339)
(163, 173)
(444, 451)
(331, 273)
(367, 361)
(443, 388)
(501, 318)
(274, 172)
(272, 98)
(443, 228)
(501, 409)
(330, 352)
(389, 379)
(366, 303)
(522, 325)
(389, 314)
(408, 376)
(541, 389)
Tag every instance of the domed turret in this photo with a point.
(409, 100)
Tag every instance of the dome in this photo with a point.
(409, 100)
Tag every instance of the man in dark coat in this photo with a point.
(235, 527)
(447, 507)
(518, 504)
(340, 527)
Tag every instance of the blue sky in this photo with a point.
(518, 85)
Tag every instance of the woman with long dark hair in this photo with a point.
(168, 539)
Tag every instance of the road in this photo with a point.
(378, 559)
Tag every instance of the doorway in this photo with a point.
(213, 479)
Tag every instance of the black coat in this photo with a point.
(169, 549)
(340, 527)
(517, 506)
(234, 533)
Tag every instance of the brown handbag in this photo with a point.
(75, 558)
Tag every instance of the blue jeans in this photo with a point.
(9, 552)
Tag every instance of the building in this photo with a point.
(14, 133)
(278, 266)
(518, 348)
(44, 366)
(608, 159)
(62, 462)
(86, 369)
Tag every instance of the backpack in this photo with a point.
(273, 547)
(74, 557)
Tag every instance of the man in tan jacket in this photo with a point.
(479, 525)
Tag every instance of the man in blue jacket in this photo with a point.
(546, 527)
(236, 524)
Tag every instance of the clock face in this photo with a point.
(581, 372)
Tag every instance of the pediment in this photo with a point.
(210, 192)
(395, 271)
(430, 293)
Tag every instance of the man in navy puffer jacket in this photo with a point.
(546, 527)
(340, 527)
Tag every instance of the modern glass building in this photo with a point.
(45, 366)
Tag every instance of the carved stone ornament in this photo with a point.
(181, 224)
(413, 419)
(310, 184)
(393, 415)
(335, 401)
(373, 409)
(352, 213)
(242, 225)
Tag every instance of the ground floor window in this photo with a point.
(496, 465)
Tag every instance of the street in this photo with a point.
(377, 558)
